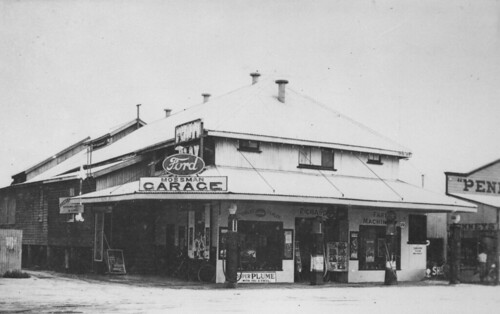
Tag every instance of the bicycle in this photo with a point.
(206, 272)
(491, 276)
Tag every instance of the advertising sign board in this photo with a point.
(65, 207)
(258, 277)
(188, 131)
(183, 164)
(183, 184)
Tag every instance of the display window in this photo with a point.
(373, 247)
(261, 245)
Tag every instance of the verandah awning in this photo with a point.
(301, 187)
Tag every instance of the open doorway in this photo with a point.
(335, 242)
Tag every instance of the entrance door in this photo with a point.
(303, 246)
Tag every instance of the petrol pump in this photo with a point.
(232, 252)
(455, 246)
(391, 277)
(317, 257)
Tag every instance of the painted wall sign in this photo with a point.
(376, 218)
(314, 212)
(259, 212)
(480, 186)
(188, 131)
(183, 164)
(479, 226)
(258, 277)
(183, 184)
(417, 250)
(65, 207)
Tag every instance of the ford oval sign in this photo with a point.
(183, 164)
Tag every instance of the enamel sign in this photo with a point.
(183, 164)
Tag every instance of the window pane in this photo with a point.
(304, 156)
(315, 156)
(373, 247)
(261, 245)
(417, 229)
(327, 158)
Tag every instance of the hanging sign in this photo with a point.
(65, 207)
(183, 184)
(183, 164)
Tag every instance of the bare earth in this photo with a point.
(50, 292)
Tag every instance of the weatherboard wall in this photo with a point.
(285, 157)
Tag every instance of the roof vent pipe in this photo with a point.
(168, 112)
(281, 89)
(138, 116)
(255, 77)
(206, 97)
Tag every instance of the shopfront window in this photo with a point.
(261, 245)
(373, 248)
(417, 232)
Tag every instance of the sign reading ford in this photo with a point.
(183, 164)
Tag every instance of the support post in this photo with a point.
(455, 253)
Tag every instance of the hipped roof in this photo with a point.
(253, 112)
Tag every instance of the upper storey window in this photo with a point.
(249, 146)
(374, 159)
(316, 158)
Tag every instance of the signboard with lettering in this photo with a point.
(183, 164)
(65, 207)
(376, 218)
(116, 262)
(188, 131)
(418, 250)
(183, 184)
(258, 277)
(479, 183)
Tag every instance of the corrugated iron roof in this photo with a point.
(252, 111)
(313, 187)
(255, 110)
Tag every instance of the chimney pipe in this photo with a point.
(138, 111)
(281, 89)
(205, 97)
(167, 112)
(255, 77)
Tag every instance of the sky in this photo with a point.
(424, 73)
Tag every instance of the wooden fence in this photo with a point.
(10, 250)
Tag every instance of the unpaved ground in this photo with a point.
(53, 293)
